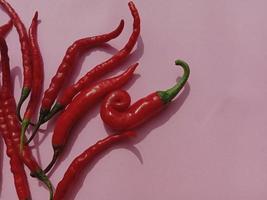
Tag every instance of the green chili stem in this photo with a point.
(42, 177)
(57, 151)
(42, 115)
(24, 126)
(169, 94)
(24, 94)
(56, 108)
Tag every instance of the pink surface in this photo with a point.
(209, 144)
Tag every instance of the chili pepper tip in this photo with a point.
(35, 18)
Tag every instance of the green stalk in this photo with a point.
(167, 95)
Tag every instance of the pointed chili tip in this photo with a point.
(134, 66)
(121, 25)
(131, 4)
(35, 18)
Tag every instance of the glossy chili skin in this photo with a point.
(38, 76)
(80, 106)
(120, 116)
(16, 164)
(25, 49)
(9, 111)
(84, 159)
(68, 63)
(117, 114)
(6, 28)
(100, 69)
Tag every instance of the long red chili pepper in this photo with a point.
(4, 29)
(79, 107)
(38, 76)
(67, 65)
(25, 50)
(117, 114)
(100, 69)
(84, 159)
(12, 120)
(16, 164)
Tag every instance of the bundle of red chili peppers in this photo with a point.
(73, 103)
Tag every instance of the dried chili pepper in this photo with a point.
(117, 114)
(38, 76)
(6, 28)
(25, 50)
(12, 121)
(79, 107)
(67, 65)
(16, 164)
(100, 69)
(84, 159)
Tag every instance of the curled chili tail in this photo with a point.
(169, 94)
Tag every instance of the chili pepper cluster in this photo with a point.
(73, 102)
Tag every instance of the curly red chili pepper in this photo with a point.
(38, 76)
(17, 167)
(100, 69)
(6, 28)
(84, 159)
(117, 114)
(12, 121)
(67, 65)
(25, 49)
(79, 107)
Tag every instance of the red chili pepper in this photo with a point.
(6, 28)
(100, 69)
(117, 114)
(17, 167)
(38, 76)
(79, 107)
(67, 65)
(84, 159)
(12, 121)
(25, 49)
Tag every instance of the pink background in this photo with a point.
(209, 144)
